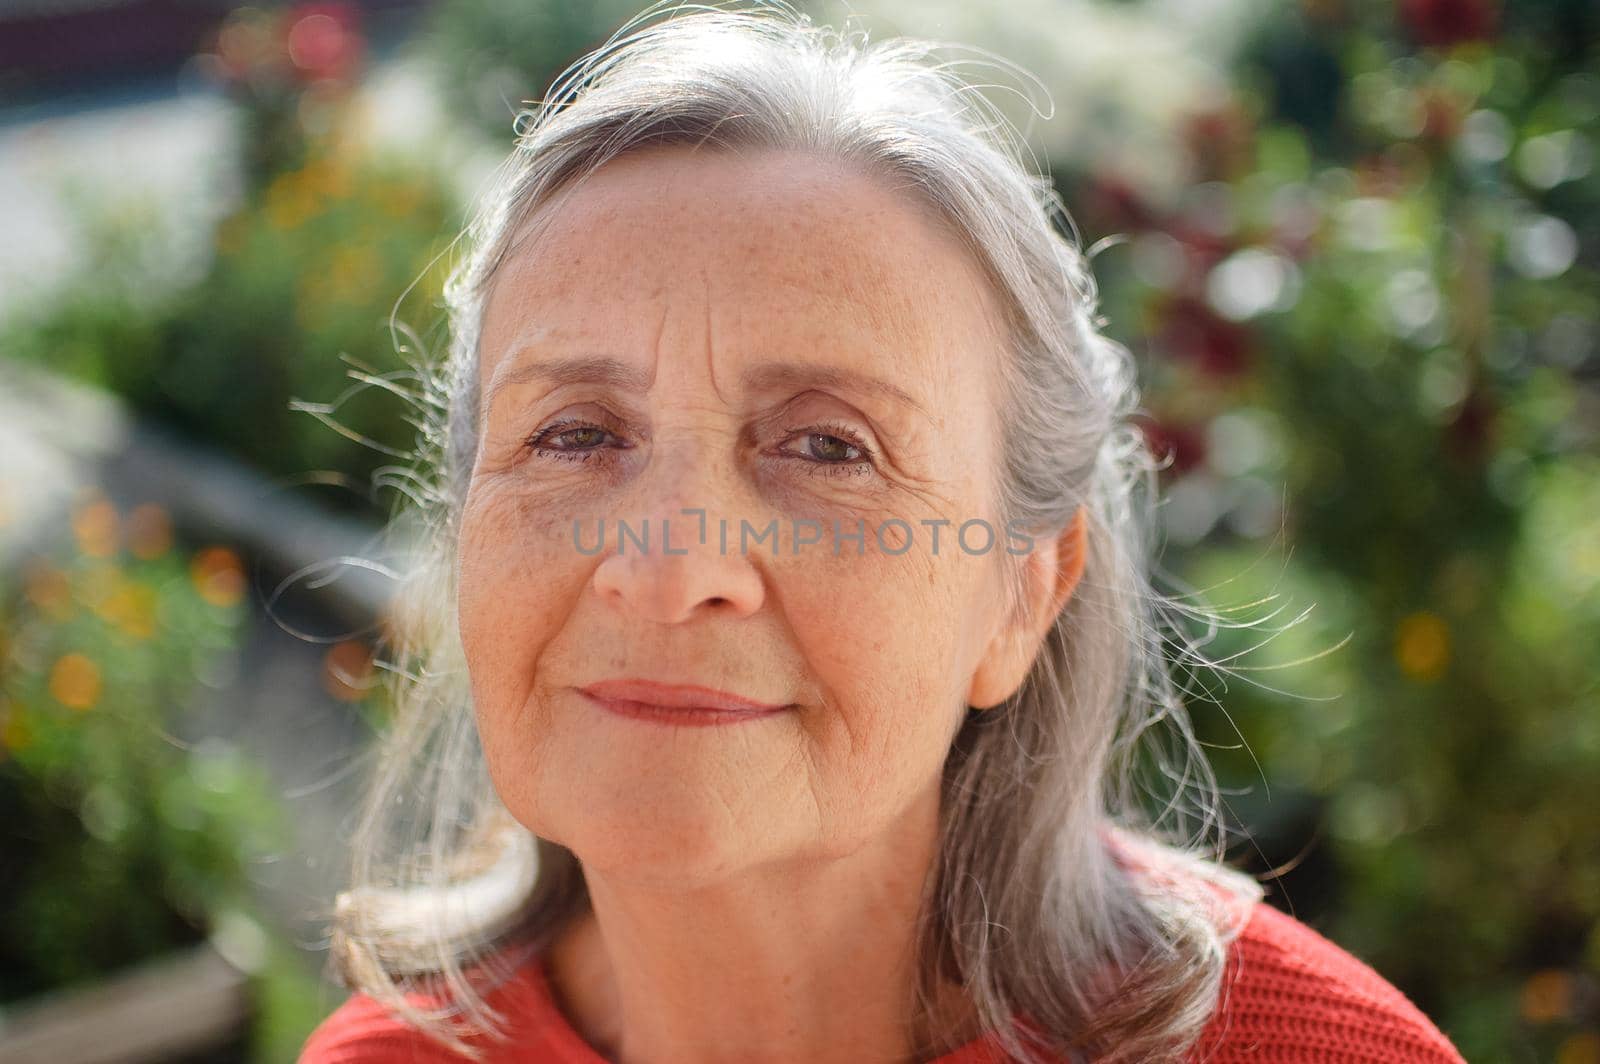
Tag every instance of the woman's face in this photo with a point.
(768, 338)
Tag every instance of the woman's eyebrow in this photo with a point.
(580, 369)
(602, 369)
(772, 375)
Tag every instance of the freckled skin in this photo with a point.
(708, 849)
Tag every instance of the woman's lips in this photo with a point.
(675, 703)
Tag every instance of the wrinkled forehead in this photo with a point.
(785, 252)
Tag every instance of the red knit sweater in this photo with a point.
(1292, 997)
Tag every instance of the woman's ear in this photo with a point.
(1050, 573)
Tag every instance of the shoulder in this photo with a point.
(364, 1030)
(1290, 994)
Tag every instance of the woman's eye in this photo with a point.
(830, 446)
(826, 448)
(568, 441)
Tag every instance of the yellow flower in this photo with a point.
(95, 525)
(75, 681)
(339, 180)
(326, 178)
(399, 199)
(49, 589)
(310, 177)
(218, 575)
(1581, 1048)
(289, 202)
(132, 607)
(353, 273)
(98, 583)
(1546, 996)
(1422, 646)
(15, 734)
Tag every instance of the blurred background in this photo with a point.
(1353, 245)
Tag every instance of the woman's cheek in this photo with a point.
(896, 611)
(865, 615)
(505, 571)
(882, 667)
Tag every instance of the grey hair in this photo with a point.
(1033, 905)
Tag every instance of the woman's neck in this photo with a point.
(813, 964)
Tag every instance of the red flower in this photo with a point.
(1191, 330)
(324, 40)
(1115, 205)
(1447, 22)
(1204, 247)
(1184, 445)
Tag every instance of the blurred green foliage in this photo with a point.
(121, 841)
(296, 299)
(1368, 322)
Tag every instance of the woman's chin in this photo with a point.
(668, 852)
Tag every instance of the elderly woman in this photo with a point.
(794, 532)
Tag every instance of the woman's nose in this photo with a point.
(673, 562)
(665, 573)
